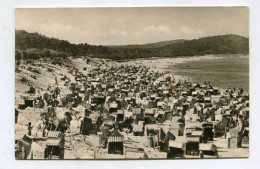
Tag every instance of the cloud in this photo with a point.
(56, 30)
(132, 25)
(200, 32)
(117, 32)
(63, 31)
(189, 33)
(157, 29)
(122, 32)
(186, 30)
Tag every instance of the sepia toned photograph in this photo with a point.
(131, 83)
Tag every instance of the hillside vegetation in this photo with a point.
(149, 45)
(35, 46)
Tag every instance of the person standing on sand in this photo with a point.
(30, 129)
(150, 140)
(56, 80)
(240, 127)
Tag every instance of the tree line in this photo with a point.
(36, 46)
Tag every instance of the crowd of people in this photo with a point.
(136, 100)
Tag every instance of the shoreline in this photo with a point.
(167, 64)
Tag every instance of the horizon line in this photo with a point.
(139, 44)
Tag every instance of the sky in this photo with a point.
(122, 26)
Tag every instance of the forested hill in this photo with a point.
(35, 46)
(150, 45)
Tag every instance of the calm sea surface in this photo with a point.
(222, 72)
